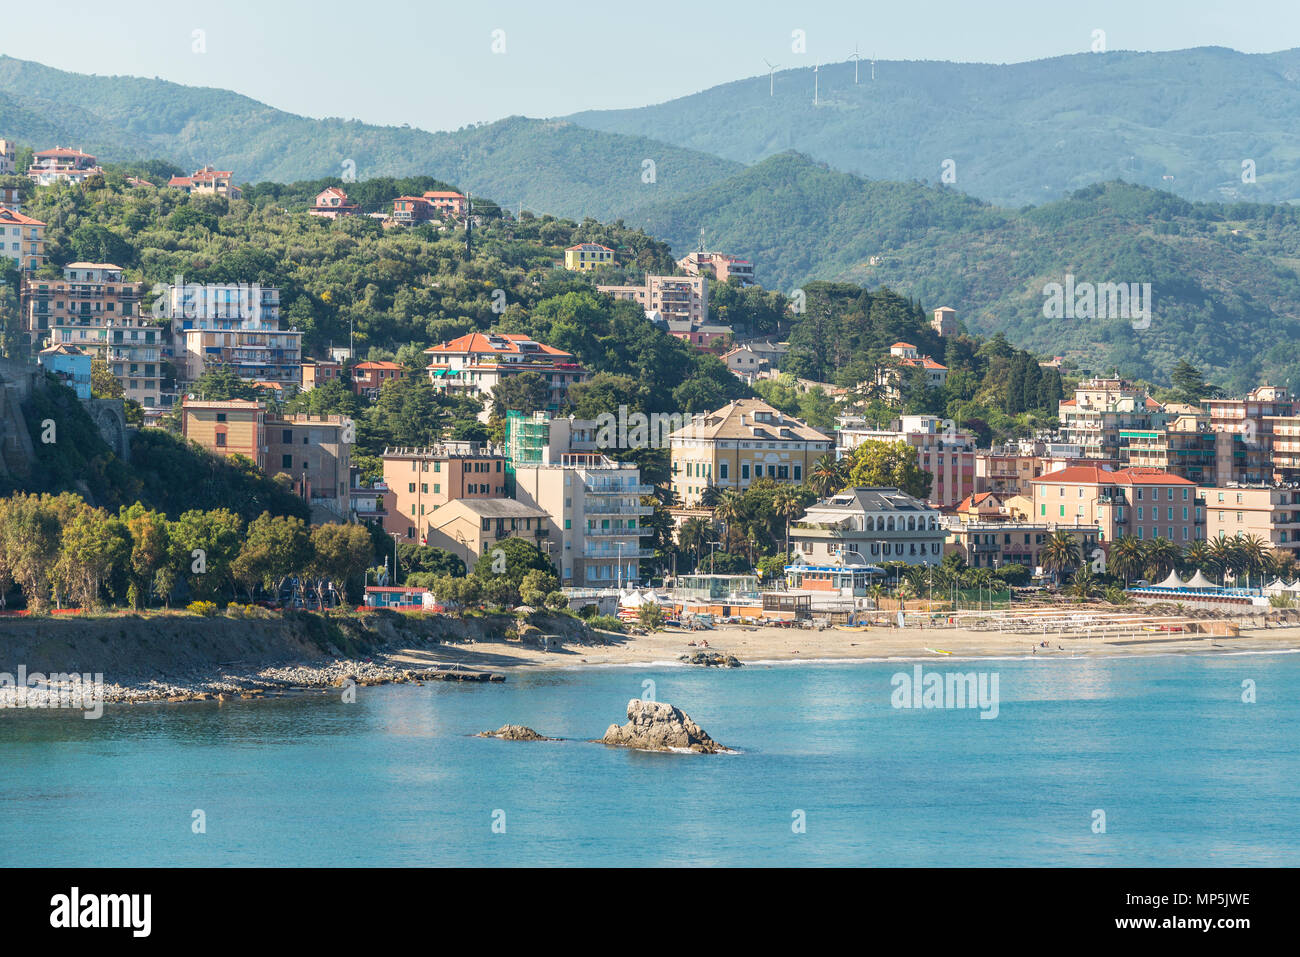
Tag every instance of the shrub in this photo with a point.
(558, 601)
(204, 609)
(607, 623)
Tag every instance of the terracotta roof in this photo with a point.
(7, 215)
(506, 344)
(902, 345)
(1096, 475)
(384, 364)
(924, 362)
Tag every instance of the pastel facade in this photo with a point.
(332, 202)
(947, 453)
(868, 525)
(474, 364)
(368, 378)
(22, 239)
(587, 256)
(1271, 512)
(421, 480)
(62, 165)
(209, 181)
(1137, 502)
(468, 527)
(745, 440)
(94, 310)
(673, 297)
(718, 266)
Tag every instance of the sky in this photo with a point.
(441, 66)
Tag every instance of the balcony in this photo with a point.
(614, 554)
(603, 488)
(597, 508)
(620, 532)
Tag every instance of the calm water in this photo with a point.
(1186, 773)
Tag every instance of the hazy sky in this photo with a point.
(431, 64)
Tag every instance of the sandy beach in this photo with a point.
(757, 644)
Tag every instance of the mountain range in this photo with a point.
(1108, 149)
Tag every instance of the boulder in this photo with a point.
(658, 726)
(515, 732)
(711, 659)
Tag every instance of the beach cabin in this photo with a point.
(399, 598)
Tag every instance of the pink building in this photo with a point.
(718, 266)
(332, 202)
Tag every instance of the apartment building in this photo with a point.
(317, 372)
(1100, 410)
(746, 439)
(868, 525)
(946, 452)
(447, 204)
(94, 310)
(1138, 502)
(745, 363)
(1253, 418)
(422, 479)
(683, 298)
(332, 202)
(468, 527)
(993, 544)
(62, 165)
(314, 451)
(596, 527)
(412, 210)
(936, 373)
(1186, 446)
(22, 238)
(719, 266)
(8, 157)
(70, 364)
(208, 181)
(475, 363)
(233, 324)
(586, 256)
(1271, 512)
(368, 378)
(11, 199)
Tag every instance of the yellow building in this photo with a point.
(743, 441)
(588, 256)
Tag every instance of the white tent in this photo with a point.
(1294, 586)
(1173, 581)
(1275, 587)
(1200, 581)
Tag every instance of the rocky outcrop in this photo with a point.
(515, 732)
(658, 726)
(711, 659)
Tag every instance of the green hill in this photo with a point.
(1224, 283)
(549, 166)
(1017, 133)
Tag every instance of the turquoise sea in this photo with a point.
(1185, 772)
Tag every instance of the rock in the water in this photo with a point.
(515, 732)
(658, 726)
(711, 659)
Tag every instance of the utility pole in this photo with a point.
(469, 227)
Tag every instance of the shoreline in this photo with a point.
(403, 662)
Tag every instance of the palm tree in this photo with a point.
(1085, 585)
(1127, 556)
(1061, 554)
(1196, 556)
(1162, 557)
(786, 505)
(693, 535)
(1254, 555)
(730, 510)
(826, 477)
(1220, 553)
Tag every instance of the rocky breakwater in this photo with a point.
(658, 726)
(711, 659)
(515, 732)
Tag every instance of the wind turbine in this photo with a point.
(771, 77)
(855, 58)
(815, 83)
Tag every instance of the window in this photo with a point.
(410, 487)
(723, 469)
(221, 440)
(424, 488)
(221, 416)
(798, 473)
(286, 462)
(744, 470)
(287, 436)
